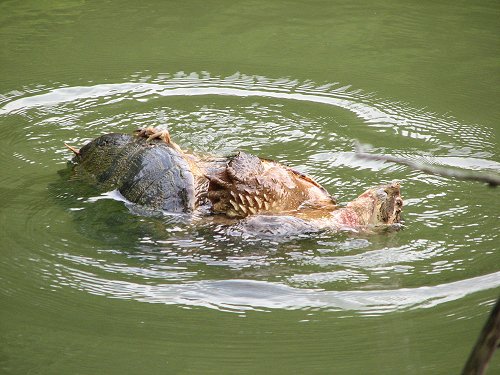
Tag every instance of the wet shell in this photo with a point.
(151, 174)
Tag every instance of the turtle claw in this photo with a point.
(75, 150)
(164, 135)
(153, 133)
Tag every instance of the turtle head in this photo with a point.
(379, 205)
(97, 156)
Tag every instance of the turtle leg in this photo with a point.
(152, 133)
(142, 132)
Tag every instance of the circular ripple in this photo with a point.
(98, 244)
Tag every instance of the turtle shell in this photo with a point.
(248, 185)
(152, 174)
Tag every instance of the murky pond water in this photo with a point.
(91, 284)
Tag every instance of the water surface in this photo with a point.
(92, 284)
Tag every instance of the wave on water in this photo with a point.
(239, 295)
(304, 276)
(397, 117)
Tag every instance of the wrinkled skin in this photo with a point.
(151, 170)
(376, 206)
(379, 206)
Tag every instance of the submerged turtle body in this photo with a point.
(153, 174)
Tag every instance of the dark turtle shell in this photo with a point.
(149, 173)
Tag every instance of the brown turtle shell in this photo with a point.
(248, 185)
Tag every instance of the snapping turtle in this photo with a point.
(151, 170)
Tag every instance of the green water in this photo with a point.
(90, 285)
